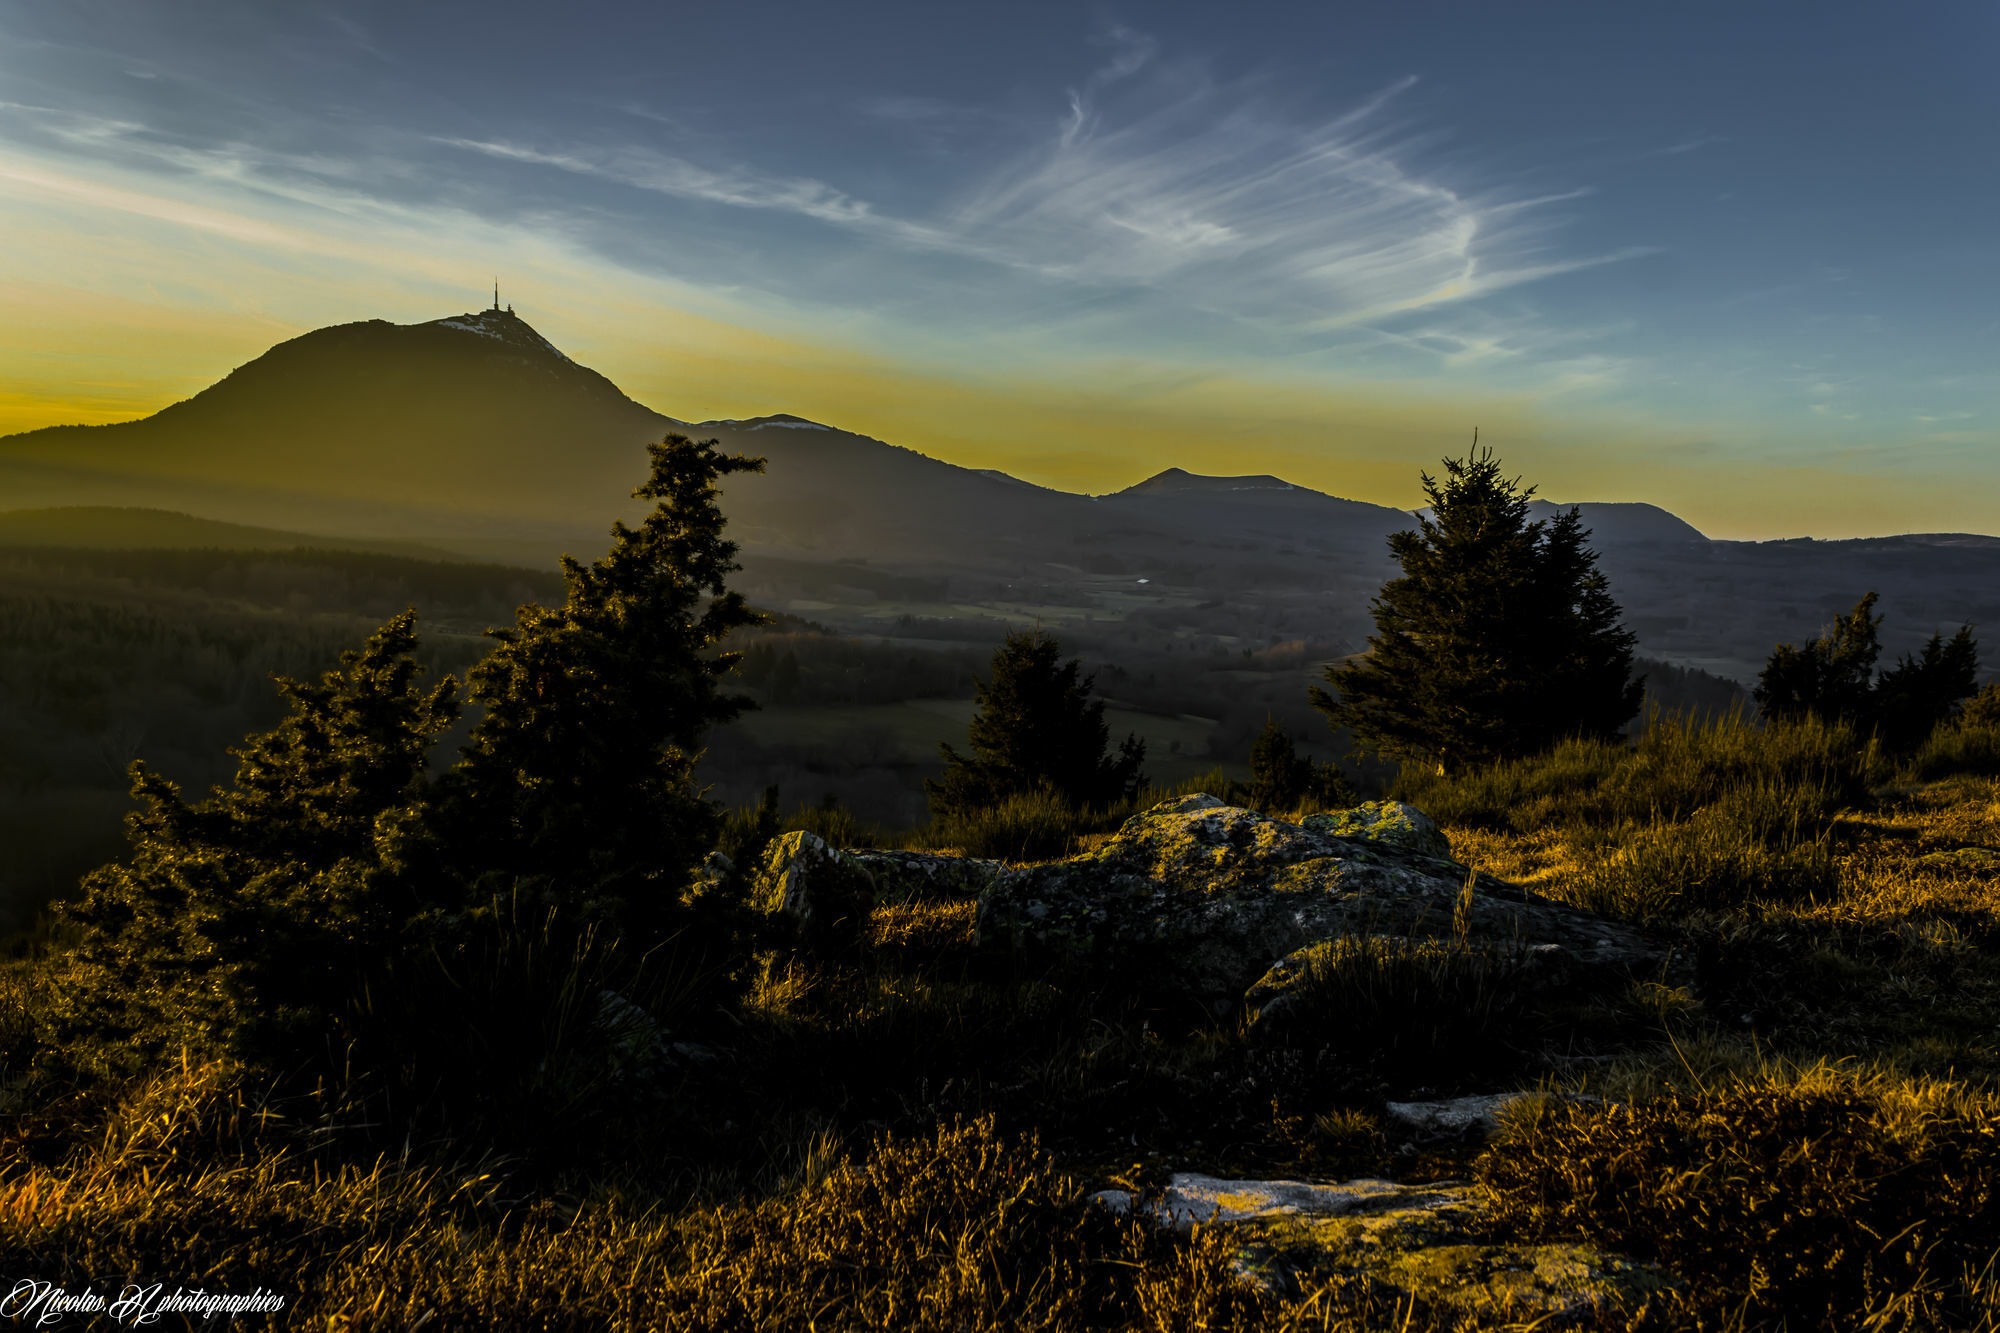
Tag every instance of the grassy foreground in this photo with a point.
(1799, 1116)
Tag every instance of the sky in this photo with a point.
(1739, 260)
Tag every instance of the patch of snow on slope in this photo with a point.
(479, 329)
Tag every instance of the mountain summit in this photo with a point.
(371, 428)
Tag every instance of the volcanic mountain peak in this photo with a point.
(502, 326)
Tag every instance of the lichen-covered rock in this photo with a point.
(1391, 823)
(823, 892)
(1207, 896)
(926, 877)
(1428, 1242)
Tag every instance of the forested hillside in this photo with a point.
(166, 655)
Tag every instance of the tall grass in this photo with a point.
(1697, 815)
(1953, 749)
(1797, 773)
(957, 1230)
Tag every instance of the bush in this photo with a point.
(529, 1030)
(1283, 781)
(1819, 1196)
(1406, 1007)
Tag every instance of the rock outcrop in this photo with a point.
(1214, 894)
(1204, 898)
(1424, 1242)
(822, 892)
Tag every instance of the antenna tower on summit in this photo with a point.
(496, 293)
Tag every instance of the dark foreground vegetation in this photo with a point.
(494, 1041)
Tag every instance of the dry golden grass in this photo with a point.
(1825, 1195)
(960, 1229)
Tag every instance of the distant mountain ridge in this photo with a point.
(475, 429)
(1178, 480)
(475, 434)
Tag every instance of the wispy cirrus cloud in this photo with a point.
(1150, 209)
(662, 173)
(1159, 180)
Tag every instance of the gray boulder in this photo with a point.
(1467, 1119)
(823, 893)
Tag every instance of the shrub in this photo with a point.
(529, 1031)
(238, 924)
(1283, 781)
(1819, 1196)
(1407, 1007)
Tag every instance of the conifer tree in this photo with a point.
(1919, 693)
(579, 782)
(1037, 727)
(1499, 639)
(1283, 779)
(237, 924)
(1833, 678)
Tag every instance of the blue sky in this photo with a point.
(1738, 259)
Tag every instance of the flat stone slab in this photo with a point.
(1431, 1242)
(1193, 1199)
(1455, 1117)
